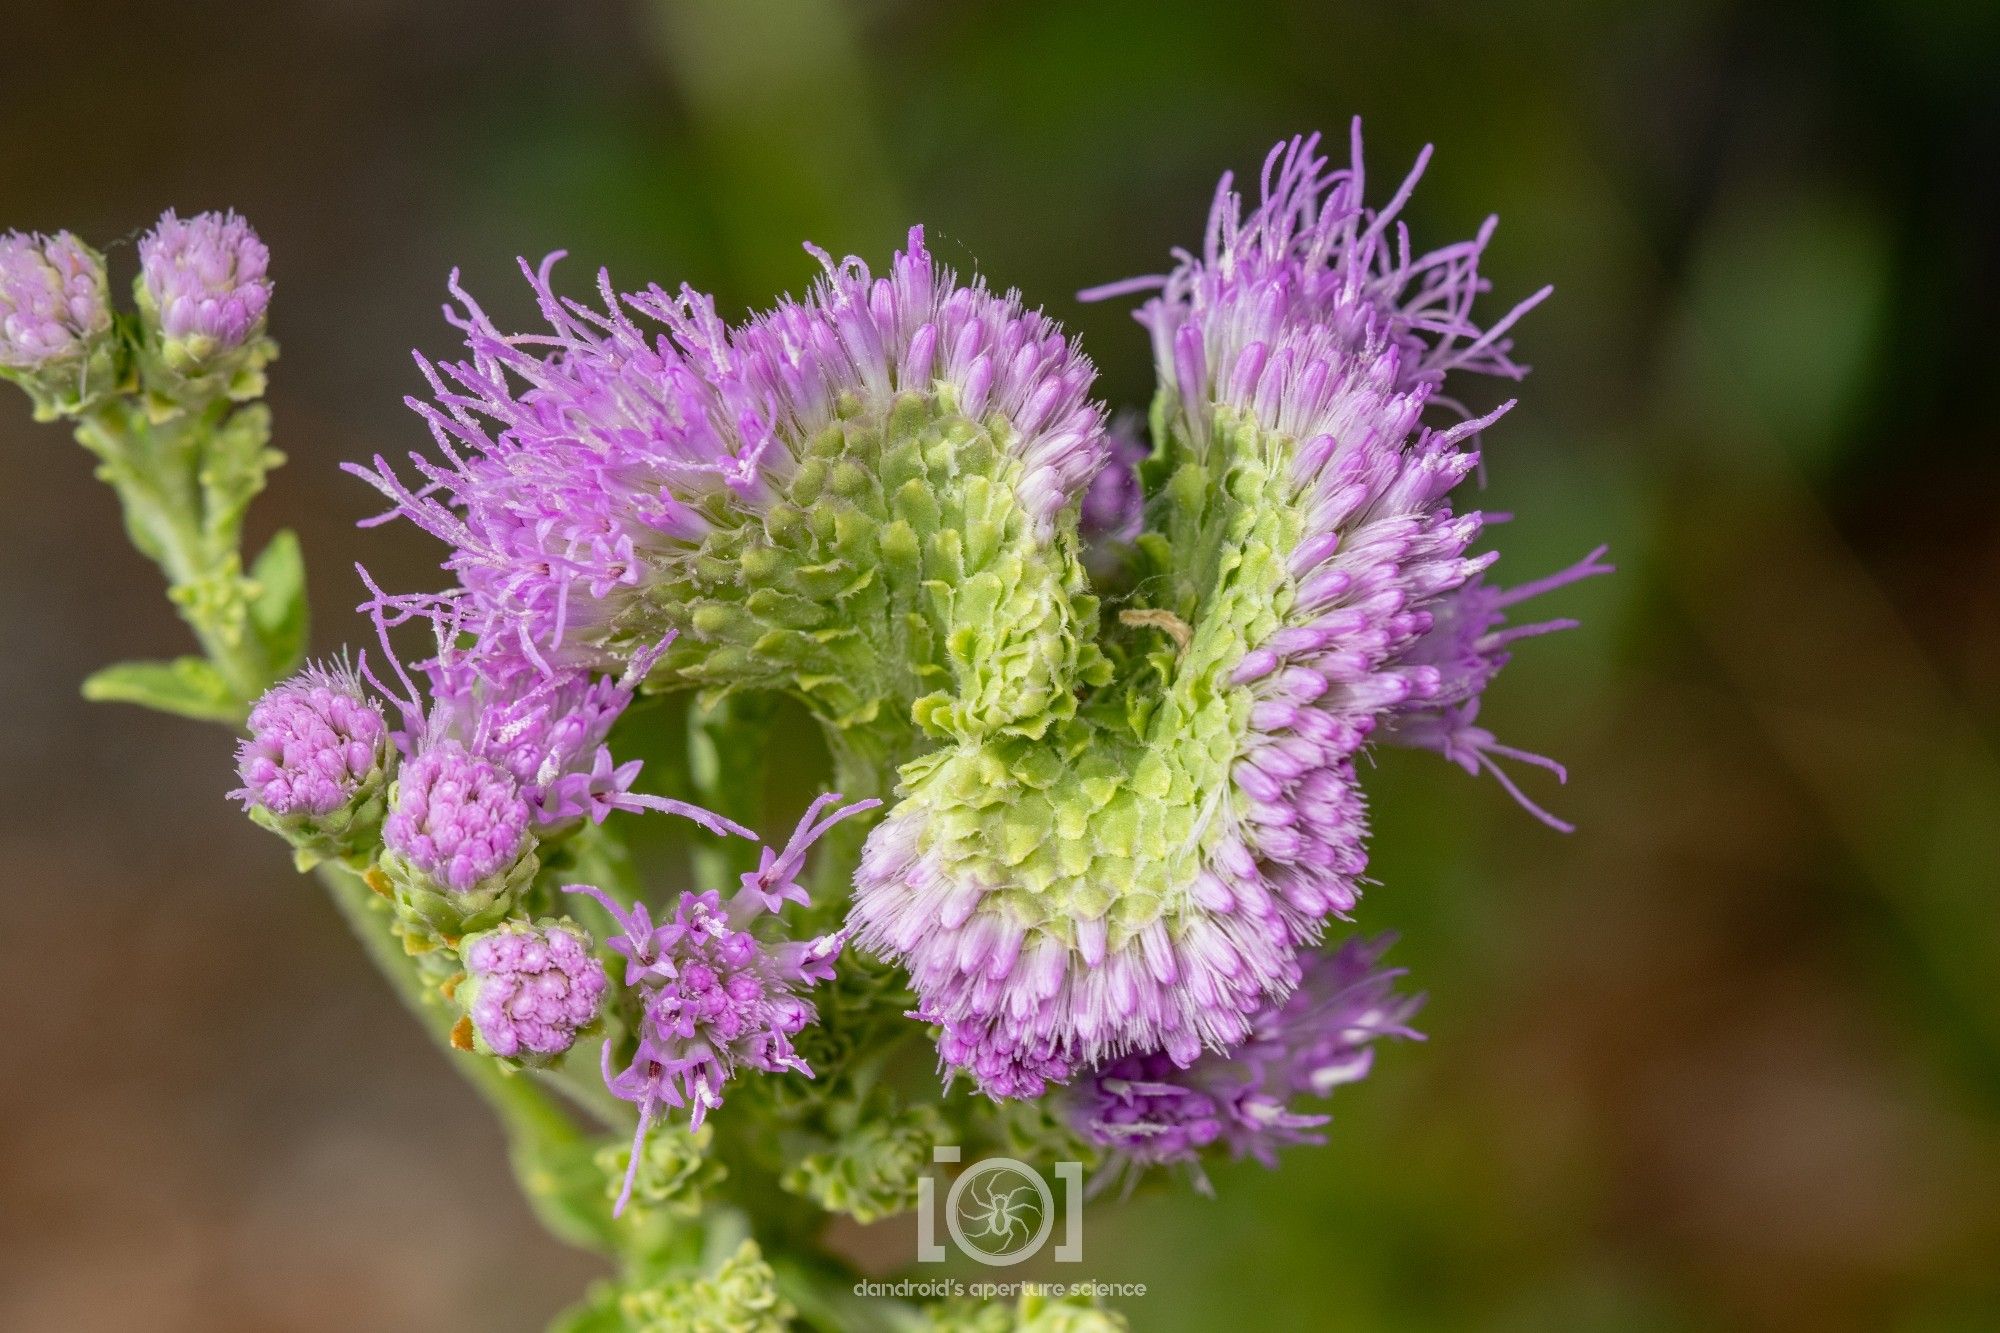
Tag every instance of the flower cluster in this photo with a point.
(1148, 1110)
(1116, 841)
(713, 997)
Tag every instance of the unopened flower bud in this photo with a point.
(315, 763)
(529, 989)
(458, 847)
(55, 320)
(203, 292)
(675, 1175)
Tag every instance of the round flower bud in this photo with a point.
(529, 989)
(203, 292)
(458, 847)
(315, 762)
(55, 320)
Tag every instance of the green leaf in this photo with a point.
(187, 686)
(279, 610)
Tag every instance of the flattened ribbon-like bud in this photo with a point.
(1143, 879)
(55, 321)
(860, 497)
(315, 765)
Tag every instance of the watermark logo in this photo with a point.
(1001, 1211)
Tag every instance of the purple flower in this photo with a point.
(1467, 644)
(315, 742)
(1148, 1110)
(203, 281)
(54, 301)
(578, 464)
(456, 818)
(529, 989)
(1298, 353)
(547, 729)
(1313, 255)
(714, 998)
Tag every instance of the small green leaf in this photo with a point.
(187, 686)
(279, 610)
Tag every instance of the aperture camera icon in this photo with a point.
(1000, 1211)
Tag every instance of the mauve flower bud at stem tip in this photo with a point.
(314, 741)
(205, 278)
(54, 300)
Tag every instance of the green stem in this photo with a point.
(549, 1155)
(523, 1106)
(157, 470)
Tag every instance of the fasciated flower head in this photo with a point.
(204, 285)
(1146, 1110)
(529, 989)
(583, 467)
(1149, 887)
(317, 742)
(714, 998)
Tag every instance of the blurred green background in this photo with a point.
(1727, 1057)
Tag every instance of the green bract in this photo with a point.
(897, 586)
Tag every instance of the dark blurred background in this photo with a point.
(1727, 1057)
